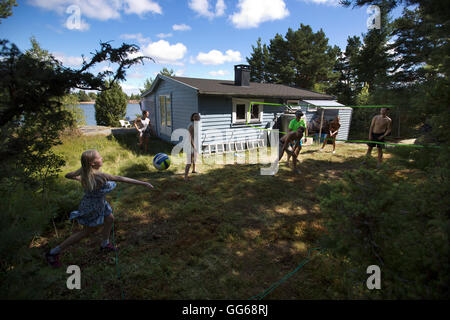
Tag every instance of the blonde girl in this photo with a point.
(94, 211)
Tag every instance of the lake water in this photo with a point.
(89, 112)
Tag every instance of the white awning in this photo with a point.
(324, 103)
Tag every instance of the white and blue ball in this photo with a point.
(161, 161)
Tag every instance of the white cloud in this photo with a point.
(68, 61)
(135, 36)
(219, 73)
(179, 73)
(141, 7)
(220, 8)
(202, 7)
(164, 52)
(130, 89)
(100, 9)
(106, 68)
(181, 27)
(164, 35)
(215, 57)
(254, 12)
(76, 24)
(326, 2)
(135, 76)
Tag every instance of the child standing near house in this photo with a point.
(144, 129)
(293, 126)
(333, 128)
(94, 211)
(194, 153)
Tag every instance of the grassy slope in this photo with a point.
(230, 233)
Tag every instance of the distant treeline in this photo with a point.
(83, 96)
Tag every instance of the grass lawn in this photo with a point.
(228, 233)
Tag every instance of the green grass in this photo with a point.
(228, 233)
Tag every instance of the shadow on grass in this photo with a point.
(130, 141)
(228, 233)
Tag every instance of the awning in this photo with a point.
(324, 103)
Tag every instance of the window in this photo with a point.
(255, 112)
(242, 113)
(165, 107)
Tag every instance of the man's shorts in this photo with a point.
(299, 143)
(146, 133)
(375, 137)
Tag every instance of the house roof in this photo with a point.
(227, 87)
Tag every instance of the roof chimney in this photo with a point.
(242, 75)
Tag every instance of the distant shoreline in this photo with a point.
(93, 102)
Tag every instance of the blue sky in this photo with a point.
(196, 38)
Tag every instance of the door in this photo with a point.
(165, 115)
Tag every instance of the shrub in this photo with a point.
(110, 106)
(400, 226)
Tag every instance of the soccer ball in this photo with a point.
(161, 161)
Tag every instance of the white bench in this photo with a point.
(236, 146)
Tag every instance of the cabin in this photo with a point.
(228, 119)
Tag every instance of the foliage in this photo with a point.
(302, 58)
(147, 85)
(371, 220)
(166, 72)
(92, 96)
(111, 106)
(32, 113)
(6, 8)
(70, 104)
(258, 62)
(83, 96)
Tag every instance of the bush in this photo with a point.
(111, 106)
(374, 219)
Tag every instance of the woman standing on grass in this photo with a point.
(94, 211)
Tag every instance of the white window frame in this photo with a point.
(237, 101)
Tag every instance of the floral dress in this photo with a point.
(93, 207)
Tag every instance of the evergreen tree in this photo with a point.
(83, 96)
(147, 85)
(111, 106)
(167, 72)
(6, 8)
(92, 96)
(258, 62)
(302, 58)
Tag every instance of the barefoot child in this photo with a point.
(93, 211)
(291, 137)
(293, 126)
(194, 117)
(333, 128)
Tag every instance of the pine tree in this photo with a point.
(258, 62)
(111, 106)
(301, 58)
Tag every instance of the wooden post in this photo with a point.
(321, 122)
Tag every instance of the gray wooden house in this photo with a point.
(224, 108)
